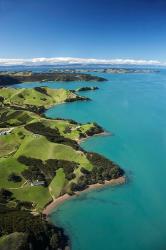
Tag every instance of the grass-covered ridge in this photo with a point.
(36, 97)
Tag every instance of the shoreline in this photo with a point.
(60, 200)
(104, 133)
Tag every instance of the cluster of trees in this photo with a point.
(24, 205)
(6, 115)
(51, 134)
(32, 108)
(68, 167)
(96, 129)
(14, 177)
(67, 130)
(3, 118)
(41, 90)
(46, 171)
(35, 169)
(81, 184)
(39, 233)
(36, 109)
(11, 114)
(87, 88)
(20, 95)
(7, 80)
(5, 196)
(103, 170)
(68, 120)
(78, 98)
(41, 129)
(1, 99)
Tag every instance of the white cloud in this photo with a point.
(71, 60)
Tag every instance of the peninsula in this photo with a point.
(9, 78)
(40, 161)
(37, 99)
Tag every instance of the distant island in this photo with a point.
(9, 78)
(107, 70)
(40, 161)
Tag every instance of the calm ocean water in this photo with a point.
(132, 216)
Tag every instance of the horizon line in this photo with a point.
(38, 61)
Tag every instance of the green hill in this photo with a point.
(38, 97)
(9, 78)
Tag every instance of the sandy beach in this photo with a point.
(55, 203)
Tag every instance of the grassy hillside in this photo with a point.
(38, 97)
(35, 142)
(40, 160)
(58, 183)
(12, 117)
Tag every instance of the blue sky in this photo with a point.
(83, 28)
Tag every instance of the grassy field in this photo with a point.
(8, 166)
(31, 146)
(58, 183)
(39, 195)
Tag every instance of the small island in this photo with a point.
(109, 70)
(41, 162)
(86, 88)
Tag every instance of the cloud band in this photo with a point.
(71, 60)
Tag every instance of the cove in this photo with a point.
(132, 216)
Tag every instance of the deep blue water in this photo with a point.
(132, 216)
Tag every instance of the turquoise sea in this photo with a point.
(132, 216)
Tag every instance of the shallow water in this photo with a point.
(132, 216)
